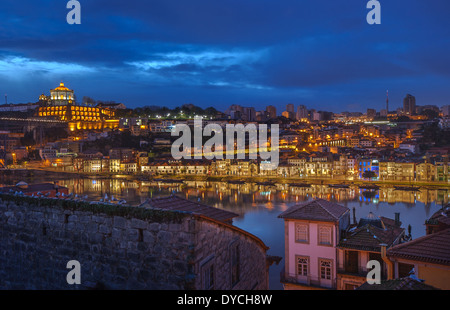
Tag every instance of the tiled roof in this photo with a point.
(316, 210)
(175, 203)
(389, 223)
(401, 284)
(441, 216)
(369, 237)
(433, 248)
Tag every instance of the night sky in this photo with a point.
(322, 54)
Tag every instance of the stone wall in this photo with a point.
(118, 247)
(214, 240)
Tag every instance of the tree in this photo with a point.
(88, 100)
(369, 174)
(403, 118)
(430, 114)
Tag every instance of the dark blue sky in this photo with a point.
(322, 54)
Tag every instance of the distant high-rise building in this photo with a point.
(272, 111)
(290, 108)
(236, 115)
(249, 114)
(262, 116)
(409, 105)
(234, 107)
(288, 115)
(302, 112)
(316, 116)
(420, 109)
(446, 110)
(383, 113)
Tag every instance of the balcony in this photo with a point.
(308, 281)
(358, 273)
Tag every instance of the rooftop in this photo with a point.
(433, 248)
(369, 237)
(316, 210)
(441, 216)
(407, 283)
(61, 87)
(175, 203)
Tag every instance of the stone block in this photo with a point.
(119, 222)
(136, 223)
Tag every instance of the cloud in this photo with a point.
(235, 51)
(16, 67)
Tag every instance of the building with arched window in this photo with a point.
(61, 105)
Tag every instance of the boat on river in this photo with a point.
(168, 181)
(370, 187)
(407, 188)
(299, 185)
(338, 185)
(236, 182)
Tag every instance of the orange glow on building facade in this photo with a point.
(60, 105)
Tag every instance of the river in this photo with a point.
(258, 206)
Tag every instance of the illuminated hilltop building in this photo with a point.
(61, 95)
(61, 105)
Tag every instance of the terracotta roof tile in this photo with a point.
(433, 248)
(441, 216)
(175, 203)
(318, 210)
(369, 238)
(401, 284)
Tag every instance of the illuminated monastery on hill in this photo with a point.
(61, 105)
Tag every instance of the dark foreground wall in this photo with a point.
(122, 248)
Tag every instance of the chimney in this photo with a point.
(55, 186)
(397, 219)
(354, 216)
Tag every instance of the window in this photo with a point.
(302, 266)
(301, 233)
(235, 263)
(207, 272)
(325, 235)
(325, 269)
(351, 261)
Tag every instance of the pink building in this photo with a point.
(312, 232)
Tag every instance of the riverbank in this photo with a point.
(56, 174)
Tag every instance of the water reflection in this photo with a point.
(245, 196)
(259, 204)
